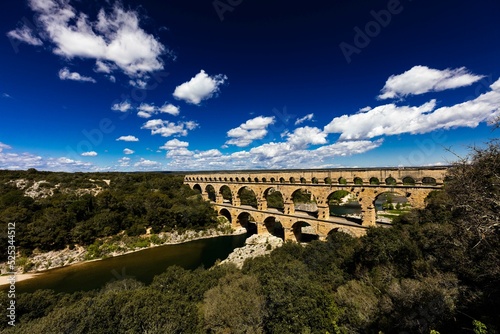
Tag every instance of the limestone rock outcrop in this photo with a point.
(256, 245)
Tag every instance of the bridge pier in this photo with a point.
(262, 204)
(289, 208)
(368, 216)
(323, 212)
(219, 199)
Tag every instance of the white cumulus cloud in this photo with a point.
(422, 79)
(25, 34)
(391, 119)
(128, 151)
(122, 106)
(147, 164)
(199, 88)
(167, 129)
(169, 109)
(4, 147)
(246, 133)
(65, 74)
(113, 40)
(127, 138)
(89, 154)
(174, 144)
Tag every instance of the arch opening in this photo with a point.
(225, 213)
(390, 181)
(374, 180)
(274, 227)
(343, 203)
(305, 202)
(389, 205)
(227, 195)
(247, 197)
(358, 180)
(335, 230)
(274, 199)
(304, 232)
(429, 181)
(198, 188)
(248, 222)
(408, 181)
(210, 190)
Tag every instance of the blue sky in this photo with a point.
(219, 84)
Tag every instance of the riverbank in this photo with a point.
(5, 279)
(256, 245)
(28, 267)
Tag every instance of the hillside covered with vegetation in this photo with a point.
(436, 269)
(55, 210)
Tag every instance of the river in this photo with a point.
(142, 265)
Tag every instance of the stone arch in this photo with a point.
(274, 227)
(292, 180)
(197, 187)
(210, 190)
(303, 180)
(247, 196)
(227, 214)
(390, 181)
(342, 180)
(358, 180)
(256, 179)
(374, 180)
(282, 180)
(314, 180)
(429, 181)
(408, 181)
(304, 232)
(328, 180)
(274, 198)
(246, 220)
(304, 200)
(226, 193)
(237, 179)
(344, 203)
(340, 230)
(273, 180)
(264, 180)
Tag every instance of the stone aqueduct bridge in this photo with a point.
(368, 183)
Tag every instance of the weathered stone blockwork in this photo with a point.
(413, 183)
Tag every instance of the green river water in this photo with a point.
(142, 265)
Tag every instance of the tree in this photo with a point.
(235, 305)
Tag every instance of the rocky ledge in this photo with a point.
(256, 245)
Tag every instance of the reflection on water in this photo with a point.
(142, 265)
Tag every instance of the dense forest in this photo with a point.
(78, 208)
(435, 270)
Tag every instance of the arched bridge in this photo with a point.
(291, 220)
